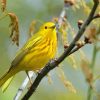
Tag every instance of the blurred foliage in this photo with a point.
(28, 11)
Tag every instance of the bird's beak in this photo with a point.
(53, 26)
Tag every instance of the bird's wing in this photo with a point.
(32, 42)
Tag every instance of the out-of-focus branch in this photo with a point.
(22, 87)
(53, 64)
(92, 67)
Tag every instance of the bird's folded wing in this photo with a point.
(31, 43)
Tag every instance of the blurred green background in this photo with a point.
(44, 10)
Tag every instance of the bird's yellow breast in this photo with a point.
(40, 54)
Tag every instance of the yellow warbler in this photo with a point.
(37, 51)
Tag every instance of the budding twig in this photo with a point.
(97, 16)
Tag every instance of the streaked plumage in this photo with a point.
(37, 51)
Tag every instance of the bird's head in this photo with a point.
(49, 26)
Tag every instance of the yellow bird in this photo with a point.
(34, 55)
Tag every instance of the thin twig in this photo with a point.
(96, 16)
(53, 64)
(77, 48)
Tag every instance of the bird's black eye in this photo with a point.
(45, 27)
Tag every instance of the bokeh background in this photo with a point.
(44, 10)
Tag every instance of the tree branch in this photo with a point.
(53, 64)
